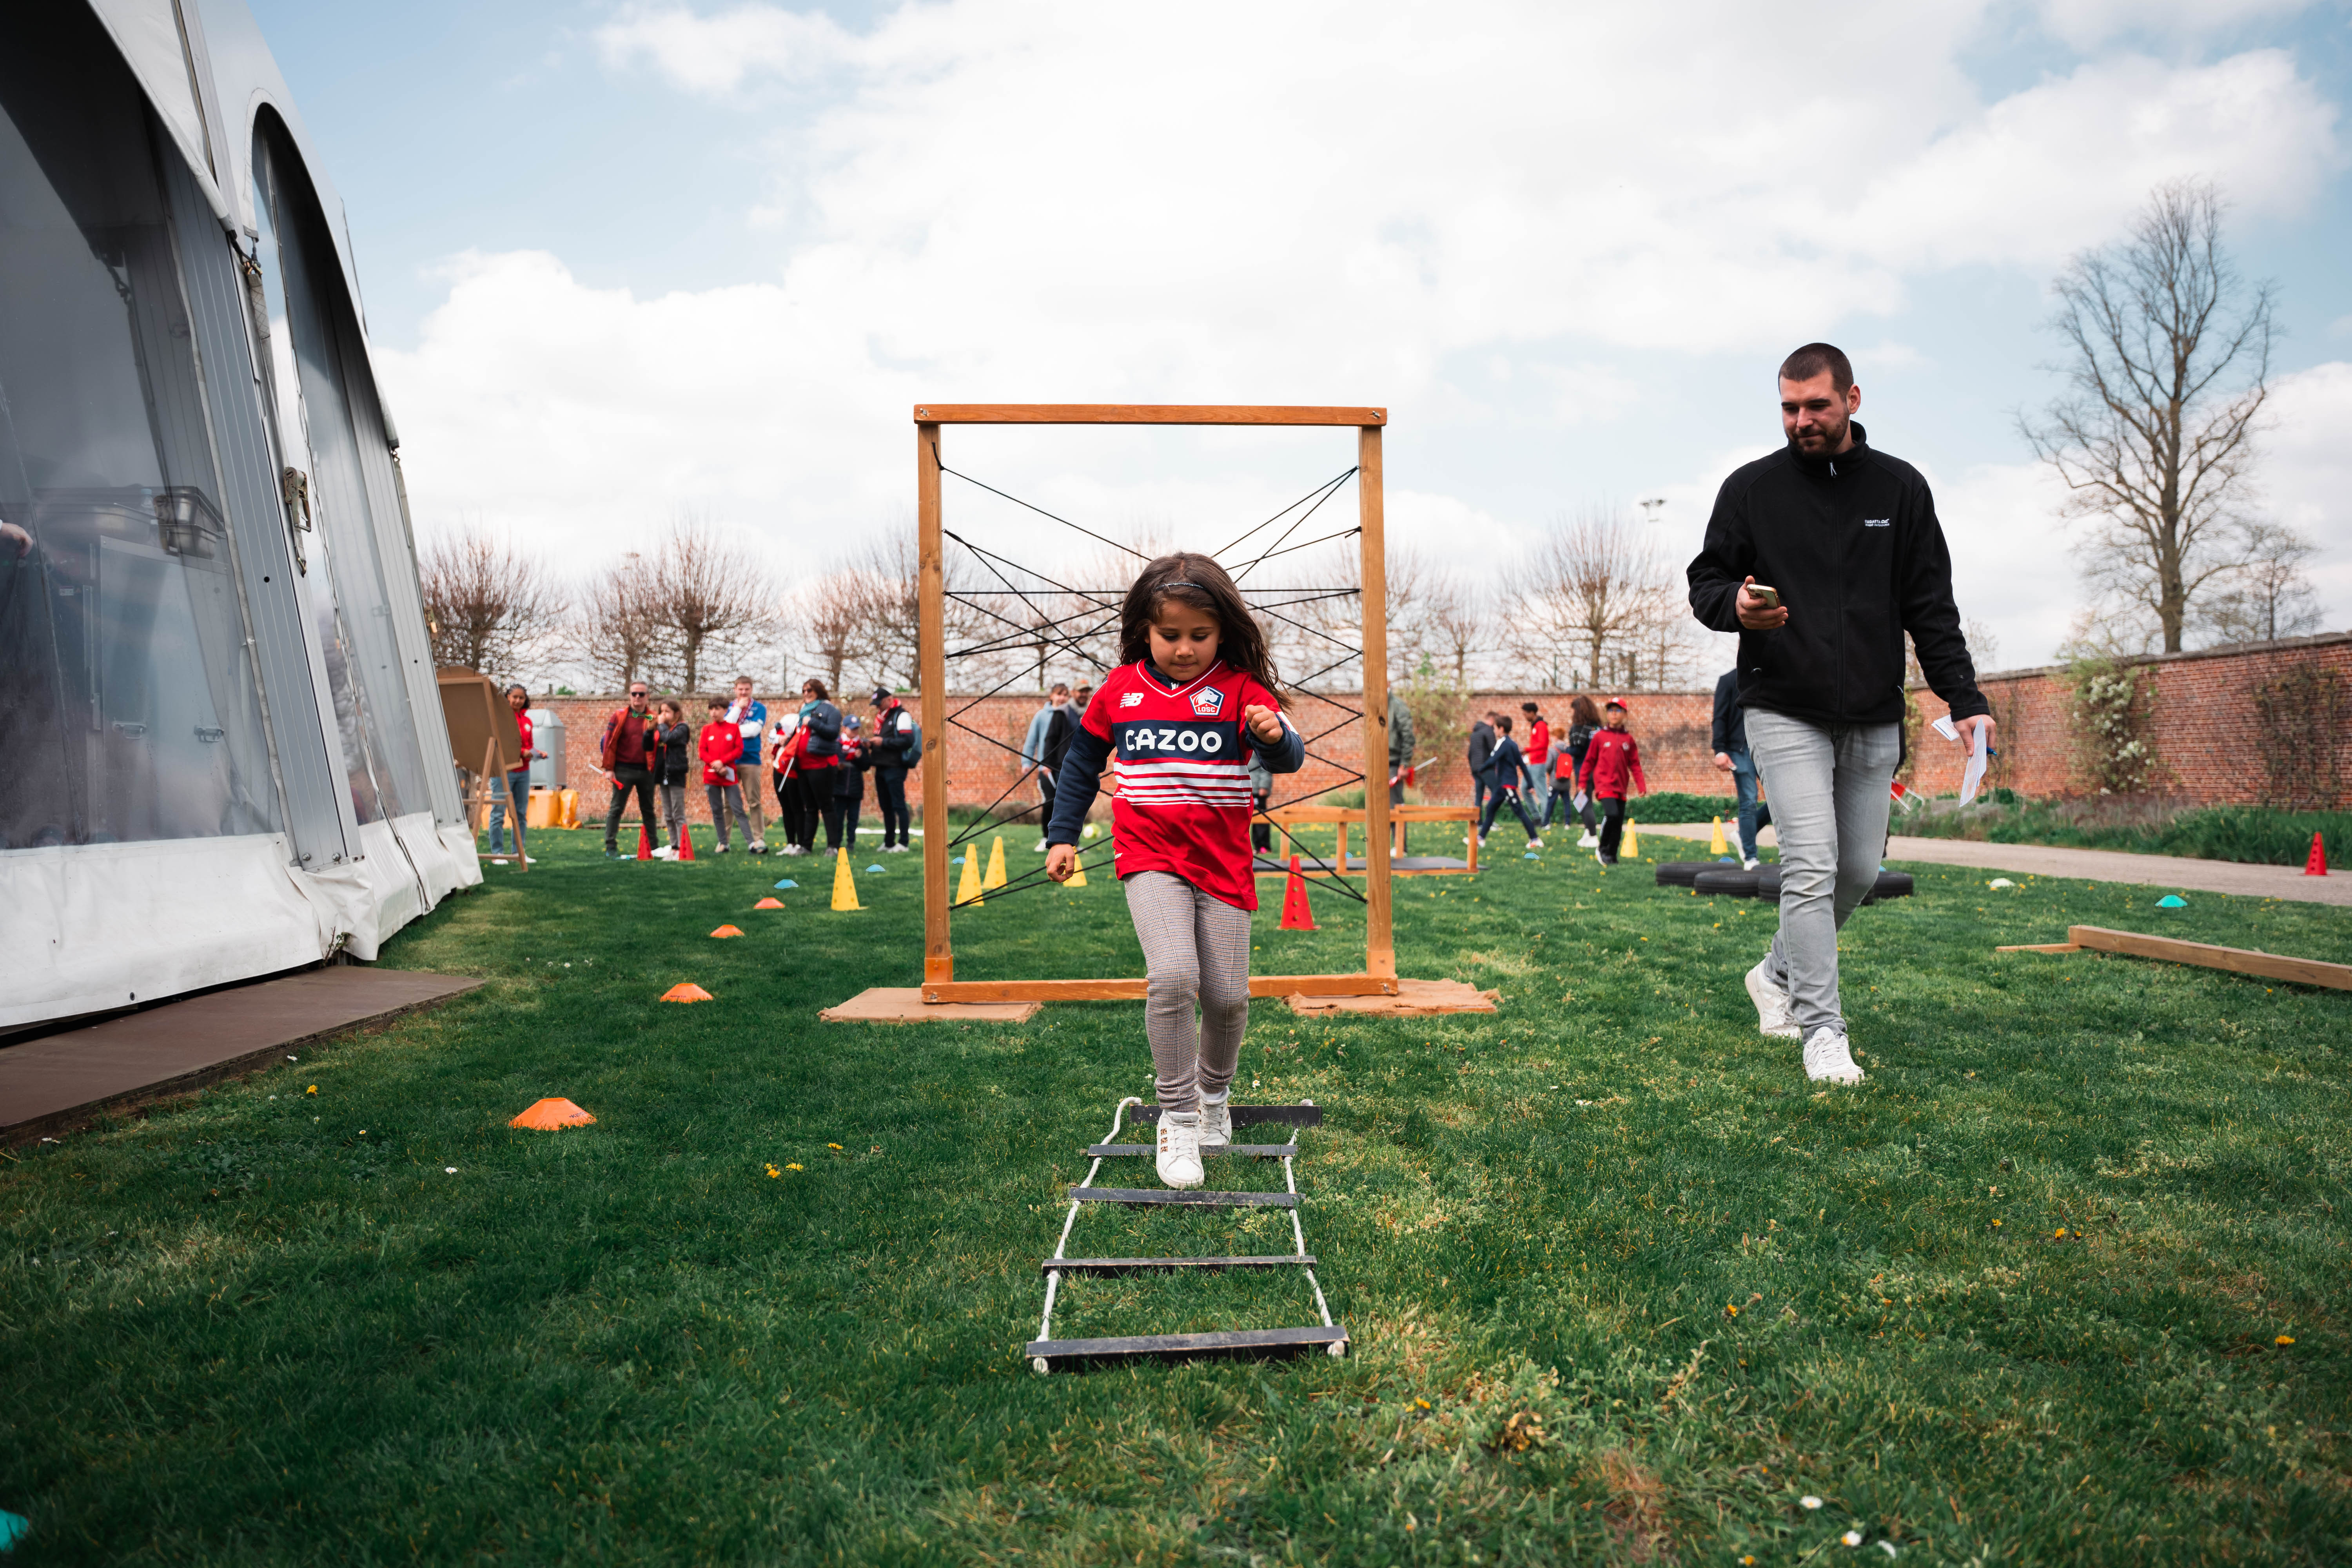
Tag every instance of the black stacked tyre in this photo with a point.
(1727, 882)
(1679, 873)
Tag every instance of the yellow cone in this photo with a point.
(1077, 875)
(996, 877)
(967, 890)
(1716, 845)
(1631, 848)
(844, 886)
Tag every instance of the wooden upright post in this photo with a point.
(1379, 947)
(931, 658)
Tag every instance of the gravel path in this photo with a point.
(2095, 866)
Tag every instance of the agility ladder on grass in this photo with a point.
(1044, 1352)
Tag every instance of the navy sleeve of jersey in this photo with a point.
(1287, 755)
(1076, 784)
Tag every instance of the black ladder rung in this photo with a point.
(1183, 1195)
(1240, 1341)
(1208, 1151)
(1131, 1265)
(1296, 1115)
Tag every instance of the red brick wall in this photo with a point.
(2204, 723)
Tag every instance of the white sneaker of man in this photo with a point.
(719, 849)
(1776, 1011)
(1180, 1149)
(665, 853)
(1590, 841)
(1216, 1121)
(895, 848)
(1827, 1059)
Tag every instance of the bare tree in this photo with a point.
(2268, 596)
(708, 596)
(1984, 645)
(2167, 366)
(625, 638)
(1595, 586)
(488, 607)
(1461, 622)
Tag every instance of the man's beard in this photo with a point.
(1825, 439)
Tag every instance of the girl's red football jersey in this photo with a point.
(1180, 797)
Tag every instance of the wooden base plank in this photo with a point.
(2237, 960)
(1414, 998)
(2043, 947)
(1200, 1196)
(1242, 1342)
(1136, 1265)
(1303, 1115)
(1208, 1151)
(1132, 989)
(905, 1004)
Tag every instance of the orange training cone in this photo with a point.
(685, 842)
(549, 1115)
(2317, 864)
(729, 931)
(1297, 914)
(644, 842)
(769, 904)
(686, 991)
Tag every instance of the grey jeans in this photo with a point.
(1829, 805)
(1196, 950)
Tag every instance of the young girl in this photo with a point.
(676, 738)
(1191, 701)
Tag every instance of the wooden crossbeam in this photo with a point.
(1208, 1151)
(1136, 1265)
(1199, 1196)
(2237, 960)
(1142, 414)
(1132, 989)
(1246, 1342)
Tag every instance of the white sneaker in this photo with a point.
(894, 849)
(1751, 863)
(1040, 848)
(758, 846)
(665, 853)
(1216, 1121)
(1590, 841)
(1827, 1059)
(1776, 1011)
(719, 849)
(1482, 841)
(1535, 843)
(1180, 1149)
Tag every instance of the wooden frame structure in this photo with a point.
(940, 984)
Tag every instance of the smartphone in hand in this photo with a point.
(1769, 597)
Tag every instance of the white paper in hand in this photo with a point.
(1945, 727)
(1973, 775)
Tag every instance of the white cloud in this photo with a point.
(2308, 476)
(2086, 24)
(1013, 200)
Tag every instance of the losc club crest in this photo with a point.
(1208, 704)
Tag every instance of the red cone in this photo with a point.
(686, 841)
(644, 842)
(1296, 914)
(2317, 864)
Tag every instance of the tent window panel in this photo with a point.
(132, 713)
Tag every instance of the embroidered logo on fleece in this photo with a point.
(1208, 704)
(1132, 700)
(1878, 523)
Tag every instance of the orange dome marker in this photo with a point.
(769, 904)
(729, 931)
(549, 1115)
(687, 991)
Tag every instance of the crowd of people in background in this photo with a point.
(817, 763)
(1596, 764)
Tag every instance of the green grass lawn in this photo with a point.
(1623, 1286)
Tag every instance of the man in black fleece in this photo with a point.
(1847, 539)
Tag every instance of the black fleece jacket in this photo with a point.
(1852, 544)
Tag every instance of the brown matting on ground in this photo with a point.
(60, 1080)
(905, 1004)
(1414, 998)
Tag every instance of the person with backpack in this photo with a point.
(816, 752)
(1509, 767)
(848, 789)
(1567, 757)
(897, 746)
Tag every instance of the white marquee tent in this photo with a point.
(222, 751)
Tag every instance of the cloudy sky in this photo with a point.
(626, 261)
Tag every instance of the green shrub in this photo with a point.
(2146, 824)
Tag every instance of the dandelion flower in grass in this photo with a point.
(2283, 1339)
(833, 1145)
(773, 1172)
(792, 1167)
(1811, 1502)
(1729, 1311)
(1852, 1537)
(312, 1089)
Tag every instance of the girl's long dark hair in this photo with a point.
(1582, 711)
(1197, 580)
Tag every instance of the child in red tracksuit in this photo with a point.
(720, 745)
(1611, 758)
